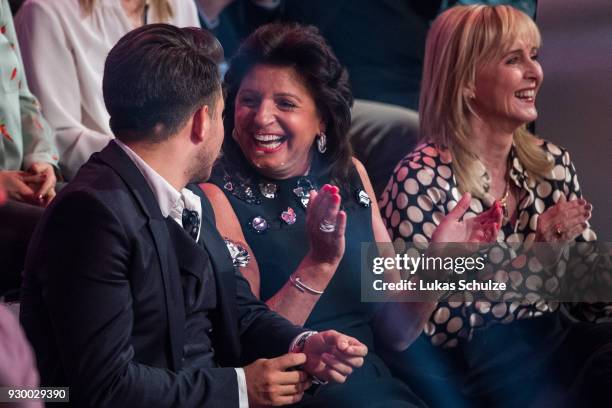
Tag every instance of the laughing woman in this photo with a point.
(481, 78)
(288, 113)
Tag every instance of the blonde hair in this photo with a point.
(460, 41)
(161, 8)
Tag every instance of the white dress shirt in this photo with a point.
(171, 203)
(63, 53)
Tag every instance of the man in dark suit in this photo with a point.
(130, 296)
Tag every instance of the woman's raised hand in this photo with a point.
(560, 224)
(564, 221)
(325, 225)
(482, 228)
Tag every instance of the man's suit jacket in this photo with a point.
(103, 306)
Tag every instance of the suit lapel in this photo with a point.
(116, 158)
(175, 308)
(226, 314)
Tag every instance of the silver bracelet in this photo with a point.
(302, 287)
(297, 345)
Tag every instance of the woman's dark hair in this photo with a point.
(305, 50)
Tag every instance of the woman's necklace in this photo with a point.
(503, 202)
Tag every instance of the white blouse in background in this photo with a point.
(63, 53)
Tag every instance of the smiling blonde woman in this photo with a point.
(480, 83)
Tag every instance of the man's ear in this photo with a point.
(200, 124)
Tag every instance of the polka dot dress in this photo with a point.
(423, 189)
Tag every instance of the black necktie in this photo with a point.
(191, 223)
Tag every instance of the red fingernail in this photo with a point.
(336, 198)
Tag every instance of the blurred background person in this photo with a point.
(64, 44)
(28, 157)
(480, 82)
(17, 362)
(231, 21)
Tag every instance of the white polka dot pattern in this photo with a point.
(423, 189)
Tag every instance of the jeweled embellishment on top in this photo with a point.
(363, 198)
(303, 195)
(268, 190)
(240, 256)
(289, 216)
(242, 190)
(259, 224)
(302, 191)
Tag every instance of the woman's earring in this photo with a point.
(321, 142)
(469, 93)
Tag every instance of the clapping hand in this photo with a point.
(564, 221)
(480, 229)
(325, 225)
(559, 225)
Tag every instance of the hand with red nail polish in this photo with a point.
(326, 224)
(480, 229)
(564, 221)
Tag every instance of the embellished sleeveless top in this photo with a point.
(272, 214)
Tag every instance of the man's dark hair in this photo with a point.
(304, 49)
(156, 77)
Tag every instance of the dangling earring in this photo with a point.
(321, 142)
